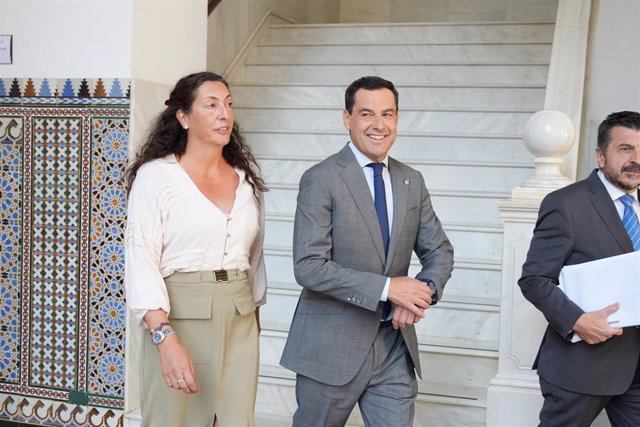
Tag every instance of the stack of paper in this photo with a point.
(596, 284)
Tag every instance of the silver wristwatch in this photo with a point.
(159, 335)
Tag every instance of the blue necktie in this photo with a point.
(380, 202)
(630, 221)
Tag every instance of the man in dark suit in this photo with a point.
(579, 223)
(359, 217)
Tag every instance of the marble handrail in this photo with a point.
(565, 84)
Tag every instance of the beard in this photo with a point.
(619, 180)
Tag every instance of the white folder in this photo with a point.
(596, 284)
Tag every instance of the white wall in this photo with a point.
(157, 40)
(68, 38)
(612, 70)
(169, 39)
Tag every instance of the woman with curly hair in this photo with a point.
(194, 272)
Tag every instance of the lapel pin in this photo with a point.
(406, 182)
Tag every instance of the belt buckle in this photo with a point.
(221, 276)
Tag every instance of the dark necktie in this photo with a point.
(380, 202)
(630, 221)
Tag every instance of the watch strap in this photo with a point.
(162, 325)
(434, 290)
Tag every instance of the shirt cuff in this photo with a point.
(385, 291)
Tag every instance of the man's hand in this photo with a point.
(593, 327)
(403, 317)
(410, 293)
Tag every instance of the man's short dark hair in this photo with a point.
(627, 119)
(367, 83)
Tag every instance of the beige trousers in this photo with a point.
(215, 321)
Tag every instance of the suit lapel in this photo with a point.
(605, 207)
(400, 186)
(354, 180)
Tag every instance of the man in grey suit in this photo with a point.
(589, 220)
(360, 215)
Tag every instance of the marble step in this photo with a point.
(412, 121)
(437, 148)
(482, 243)
(426, 97)
(459, 369)
(472, 281)
(461, 324)
(451, 206)
(461, 176)
(407, 33)
(276, 404)
(401, 74)
(447, 323)
(401, 53)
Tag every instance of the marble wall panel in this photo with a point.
(448, 10)
(365, 10)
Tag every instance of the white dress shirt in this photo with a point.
(172, 226)
(615, 193)
(363, 161)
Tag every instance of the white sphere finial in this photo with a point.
(548, 135)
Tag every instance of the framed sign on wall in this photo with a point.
(6, 49)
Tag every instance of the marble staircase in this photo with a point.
(466, 93)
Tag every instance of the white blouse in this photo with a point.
(172, 226)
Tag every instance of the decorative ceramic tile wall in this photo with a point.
(63, 151)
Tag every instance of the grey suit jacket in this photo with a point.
(576, 224)
(339, 261)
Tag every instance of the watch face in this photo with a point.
(157, 337)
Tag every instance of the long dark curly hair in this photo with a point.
(167, 136)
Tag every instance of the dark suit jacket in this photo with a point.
(576, 224)
(339, 261)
